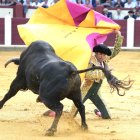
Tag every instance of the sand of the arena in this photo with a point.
(21, 117)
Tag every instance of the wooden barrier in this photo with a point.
(18, 18)
(137, 34)
(15, 36)
(16, 40)
(111, 37)
(2, 31)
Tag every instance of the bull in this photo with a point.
(44, 73)
(53, 79)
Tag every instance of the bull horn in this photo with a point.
(15, 60)
(6, 64)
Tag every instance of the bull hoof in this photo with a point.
(50, 132)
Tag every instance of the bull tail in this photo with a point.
(88, 69)
(14, 60)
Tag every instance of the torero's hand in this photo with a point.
(118, 32)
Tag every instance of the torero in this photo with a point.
(100, 56)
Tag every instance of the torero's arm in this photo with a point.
(118, 44)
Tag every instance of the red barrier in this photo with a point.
(19, 19)
(137, 33)
(18, 11)
(15, 36)
(111, 38)
(16, 40)
(1, 30)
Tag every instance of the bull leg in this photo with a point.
(16, 85)
(57, 107)
(81, 109)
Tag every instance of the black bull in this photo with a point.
(53, 79)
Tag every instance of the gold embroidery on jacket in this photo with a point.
(98, 75)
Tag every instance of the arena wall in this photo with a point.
(15, 13)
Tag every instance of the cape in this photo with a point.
(72, 30)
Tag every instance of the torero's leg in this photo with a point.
(100, 105)
(97, 101)
(94, 97)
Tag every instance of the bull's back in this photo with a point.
(37, 52)
(39, 62)
(37, 47)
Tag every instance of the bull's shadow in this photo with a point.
(53, 79)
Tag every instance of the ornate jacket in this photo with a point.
(97, 75)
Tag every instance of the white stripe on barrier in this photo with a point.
(130, 33)
(8, 30)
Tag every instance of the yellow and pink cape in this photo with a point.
(70, 28)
